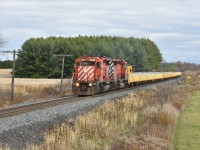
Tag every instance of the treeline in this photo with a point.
(180, 66)
(7, 64)
(38, 56)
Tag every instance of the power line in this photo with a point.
(7, 52)
(13, 68)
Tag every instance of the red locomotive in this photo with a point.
(94, 75)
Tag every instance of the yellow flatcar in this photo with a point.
(141, 77)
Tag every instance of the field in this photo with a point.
(132, 123)
(33, 82)
(143, 120)
(5, 73)
(187, 129)
(30, 89)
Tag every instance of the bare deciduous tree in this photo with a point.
(2, 40)
(165, 91)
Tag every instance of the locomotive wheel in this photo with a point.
(101, 88)
(114, 86)
(92, 91)
(97, 89)
(118, 85)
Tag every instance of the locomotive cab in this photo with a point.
(85, 76)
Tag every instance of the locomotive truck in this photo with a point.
(93, 75)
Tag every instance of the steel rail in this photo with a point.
(16, 110)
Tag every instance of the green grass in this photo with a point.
(187, 133)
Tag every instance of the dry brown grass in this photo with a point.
(97, 129)
(5, 73)
(125, 124)
(29, 81)
(133, 123)
(31, 89)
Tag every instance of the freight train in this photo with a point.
(93, 75)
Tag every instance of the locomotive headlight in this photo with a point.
(90, 84)
(77, 84)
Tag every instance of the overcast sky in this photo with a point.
(174, 25)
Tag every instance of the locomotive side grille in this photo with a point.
(111, 69)
(85, 73)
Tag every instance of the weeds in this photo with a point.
(31, 90)
(140, 121)
(98, 129)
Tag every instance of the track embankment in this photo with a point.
(20, 130)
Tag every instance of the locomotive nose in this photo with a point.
(86, 73)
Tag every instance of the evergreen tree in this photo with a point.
(7, 64)
(38, 59)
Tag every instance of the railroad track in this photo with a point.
(16, 110)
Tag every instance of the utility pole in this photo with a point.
(162, 65)
(13, 76)
(13, 73)
(63, 60)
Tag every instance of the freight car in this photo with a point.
(138, 78)
(93, 75)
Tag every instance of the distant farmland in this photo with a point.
(28, 89)
(5, 73)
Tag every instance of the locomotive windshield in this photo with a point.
(91, 63)
(85, 63)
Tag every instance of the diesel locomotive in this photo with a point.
(93, 75)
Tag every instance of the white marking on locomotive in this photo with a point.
(86, 73)
(111, 68)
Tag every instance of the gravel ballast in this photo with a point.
(19, 131)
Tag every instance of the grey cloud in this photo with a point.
(173, 25)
